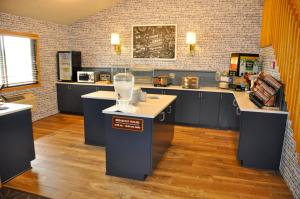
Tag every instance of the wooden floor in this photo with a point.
(201, 163)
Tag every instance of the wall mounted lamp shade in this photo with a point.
(115, 40)
(191, 41)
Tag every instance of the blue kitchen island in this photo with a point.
(135, 142)
(16, 140)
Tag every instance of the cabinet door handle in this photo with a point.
(163, 116)
(170, 110)
(221, 96)
(200, 94)
(237, 111)
(234, 103)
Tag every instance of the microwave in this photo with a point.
(87, 76)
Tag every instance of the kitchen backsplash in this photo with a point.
(206, 78)
(222, 27)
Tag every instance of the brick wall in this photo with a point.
(289, 167)
(222, 27)
(53, 37)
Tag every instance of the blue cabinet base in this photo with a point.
(94, 130)
(128, 154)
(261, 139)
(15, 170)
(16, 144)
(135, 155)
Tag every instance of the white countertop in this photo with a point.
(148, 109)
(242, 98)
(244, 103)
(13, 108)
(103, 95)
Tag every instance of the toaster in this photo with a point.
(105, 77)
(191, 82)
(161, 81)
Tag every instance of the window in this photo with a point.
(18, 59)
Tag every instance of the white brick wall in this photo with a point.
(222, 27)
(53, 37)
(289, 167)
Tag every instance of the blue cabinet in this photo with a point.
(105, 88)
(228, 115)
(94, 120)
(69, 97)
(261, 139)
(187, 104)
(190, 107)
(16, 144)
(176, 108)
(209, 109)
(135, 155)
(154, 90)
(194, 107)
(204, 109)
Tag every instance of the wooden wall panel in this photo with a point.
(281, 29)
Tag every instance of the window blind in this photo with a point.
(18, 61)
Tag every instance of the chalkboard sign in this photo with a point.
(154, 42)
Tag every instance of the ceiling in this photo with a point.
(58, 11)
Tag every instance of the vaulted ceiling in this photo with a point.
(58, 11)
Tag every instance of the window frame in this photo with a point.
(30, 36)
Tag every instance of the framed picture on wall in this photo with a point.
(154, 42)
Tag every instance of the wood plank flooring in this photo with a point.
(201, 163)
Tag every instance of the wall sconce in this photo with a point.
(191, 41)
(115, 40)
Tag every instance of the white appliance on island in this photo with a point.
(124, 84)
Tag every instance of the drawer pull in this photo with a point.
(170, 110)
(234, 103)
(238, 111)
(163, 116)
